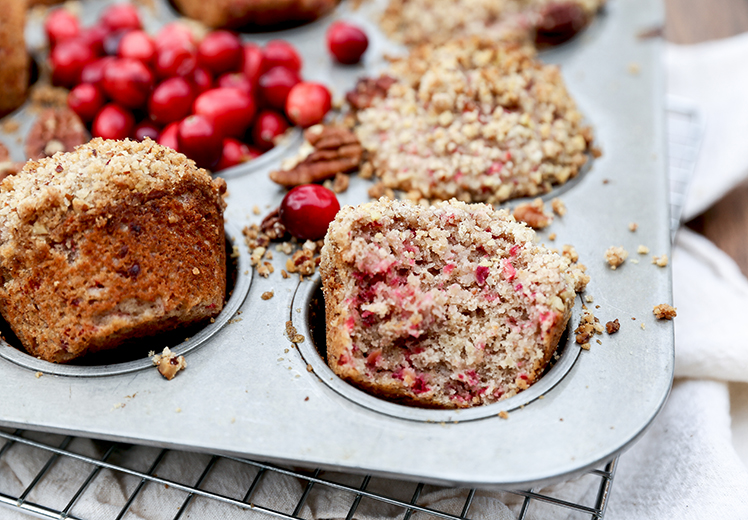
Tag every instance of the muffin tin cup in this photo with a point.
(248, 391)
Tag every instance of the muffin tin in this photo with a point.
(248, 391)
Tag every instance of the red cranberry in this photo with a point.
(253, 62)
(128, 82)
(68, 59)
(236, 80)
(234, 153)
(275, 85)
(137, 45)
(307, 211)
(121, 16)
(175, 60)
(61, 25)
(86, 100)
(219, 52)
(170, 101)
(280, 53)
(94, 37)
(168, 136)
(201, 80)
(94, 72)
(200, 140)
(308, 103)
(231, 109)
(113, 122)
(146, 129)
(174, 33)
(268, 125)
(346, 42)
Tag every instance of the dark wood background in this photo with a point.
(693, 21)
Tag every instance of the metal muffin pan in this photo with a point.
(248, 391)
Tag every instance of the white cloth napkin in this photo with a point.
(688, 465)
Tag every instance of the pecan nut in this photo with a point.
(560, 22)
(533, 214)
(333, 150)
(55, 130)
(367, 90)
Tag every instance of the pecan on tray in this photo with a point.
(332, 150)
(55, 130)
(367, 90)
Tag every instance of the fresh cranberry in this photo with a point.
(236, 80)
(128, 82)
(170, 101)
(113, 122)
(308, 103)
(146, 129)
(280, 53)
(68, 59)
(112, 41)
(174, 33)
(268, 125)
(200, 140)
(61, 25)
(86, 100)
(168, 136)
(121, 16)
(346, 42)
(231, 109)
(275, 85)
(201, 80)
(137, 45)
(175, 60)
(253, 61)
(94, 37)
(220, 52)
(94, 72)
(307, 211)
(234, 153)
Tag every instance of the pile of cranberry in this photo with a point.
(217, 100)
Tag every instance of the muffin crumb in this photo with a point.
(615, 256)
(664, 311)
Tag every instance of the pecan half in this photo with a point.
(533, 214)
(367, 90)
(272, 227)
(334, 149)
(55, 130)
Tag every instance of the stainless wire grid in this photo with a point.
(685, 130)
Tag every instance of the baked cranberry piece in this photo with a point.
(275, 85)
(68, 59)
(346, 42)
(113, 122)
(168, 136)
(220, 52)
(253, 62)
(138, 46)
(128, 82)
(86, 100)
(200, 140)
(175, 60)
(268, 125)
(61, 25)
(231, 109)
(146, 129)
(307, 210)
(119, 17)
(94, 72)
(280, 53)
(235, 153)
(308, 103)
(170, 101)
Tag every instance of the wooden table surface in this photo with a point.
(693, 21)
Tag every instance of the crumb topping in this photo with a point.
(615, 256)
(168, 363)
(664, 311)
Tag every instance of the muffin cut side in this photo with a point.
(450, 306)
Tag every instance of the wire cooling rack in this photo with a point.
(67, 471)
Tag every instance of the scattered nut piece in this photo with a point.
(38, 374)
(340, 183)
(559, 208)
(612, 326)
(309, 368)
(292, 333)
(642, 250)
(256, 209)
(168, 363)
(533, 214)
(660, 261)
(664, 311)
(195, 271)
(634, 68)
(570, 252)
(367, 90)
(267, 295)
(615, 256)
(503, 414)
(633, 226)
(588, 298)
(589, 325)
(642, 326)
(552, 237)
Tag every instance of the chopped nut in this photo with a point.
(533, 214)
(569, 252)
(615, 256)
(168, 363)
(588, 298)
(503, 414)
(642, 250)
(664, 311)
(559, 208)
(660, 261)
(267, 295)
(552, 236)
(195, 271)
(256, 209)
(38, 374)
(367, 90)
(612, 326)
(301, 262)
(340, 183)
(633, 226)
